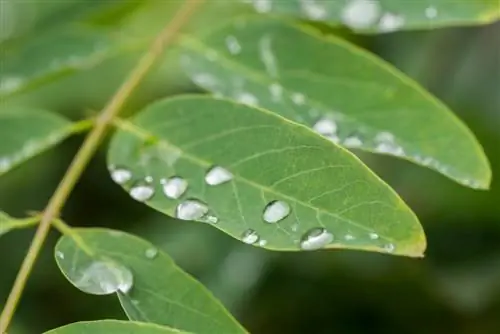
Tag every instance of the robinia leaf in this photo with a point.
(8, 223)
(386, 15)
(258, 177)
(26, 132)
(150, 286)
(113, 327)
(342, 92)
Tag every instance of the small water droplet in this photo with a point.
(191, 209)
(276, 91)
(352, 142)
(276, 211)
(60, 255)
(233, 45)
(141, 191)
(250, 237)
(148, 179)
(298, 98)
(151, 253)
(295, 227)
(431, 12)
(120, 175)
(104, 278)
(360, 14)
(373, 236)
(389, 248)
(174, 187)
(262, 6)
(316, 238)
(349, 237)
(210, 219)
(325, 127)
(218, 175)
(247, 98)
(391, 22)
(262, 243)
(314, 10)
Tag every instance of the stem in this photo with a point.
(88, 149)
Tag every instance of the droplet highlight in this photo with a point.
(316, 238)
(276, 211)
(218, 175)
(174, 187)
(191, 209)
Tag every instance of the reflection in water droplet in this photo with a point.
(373, 236)
(218, 175)
(191, 209)
(389, 248)
(174, 187)
(104, 278)
(142, 191)
(316, 238)
(360, 14)
(120, 175)
(151, 253)
(250, 237)
(276, 211)
(325, 127)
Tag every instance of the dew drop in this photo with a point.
(233, 45)
(120, 175)
(360, 14)
(316, 238)
(431, 12)
(389, 248)
(325, 127)
(248, 99)
(218, 175)
(250, 237)
(60, 255)
(262, 243)
(276, 211)
(174, 187)
(352, 142)
(210, 219)
(104, 278)
(314, 9)
(349, 237)
(191, 209)
(373, 236)
(151, 253)
(141, 191)
(298, 98)
(391, 22)
(276, 91)
(262, 6)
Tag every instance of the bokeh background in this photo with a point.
(454, 289)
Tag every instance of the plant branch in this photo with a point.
(87, 151)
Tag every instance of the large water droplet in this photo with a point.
(191, 209)
(250, 237)
(174, 187)
(142, 191)
(276, 211)
(316, 238)
(151, 253)
(360, 14)
(104, 278)
(218, 175)
(120, 175)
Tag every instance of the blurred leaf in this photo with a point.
(25, 133)
(386, 15)
(113, 326)
(7, 223)
(150, 286)
(343, 92)
(258, 177)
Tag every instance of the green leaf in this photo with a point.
(25, 133)
(343, 92)
(387, 15)
(236, 161)
(150, 286)
(8, 223)
(58, 53)
(112, 327)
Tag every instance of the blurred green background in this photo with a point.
(454, 289)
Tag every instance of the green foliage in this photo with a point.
(263, 158)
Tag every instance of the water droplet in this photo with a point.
(349, 237)
(104, 278)
(295, 227)
(276, 211)
(373, 236)
(389, 248)
(191, 209)
(391, 22)
(205, 80)
(352, 142)
(120, 175)
(151, 253)
(262, 6)
(174, 187)
(431, 12)
(218, 175)
(262, 243)
(247, 98)
(210, 219)
(384, 136)
(60, 255)
(250, 237)
(298, 98)
(316, 238)
(325, 127)
(276, 92)
(360, 14)
(148, 179)
(141, 191)
(233, 45)
(314, 9)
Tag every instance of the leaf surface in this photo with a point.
(258, 177)
(151, 288)
(386, 15)
(25, 133)
(341, 91)
(113, 327)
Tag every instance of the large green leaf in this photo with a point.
(258, 177)
(113, 327)
(26, 132)
(386, 15)
(341, 91)
(8, 223)
(150, 286)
